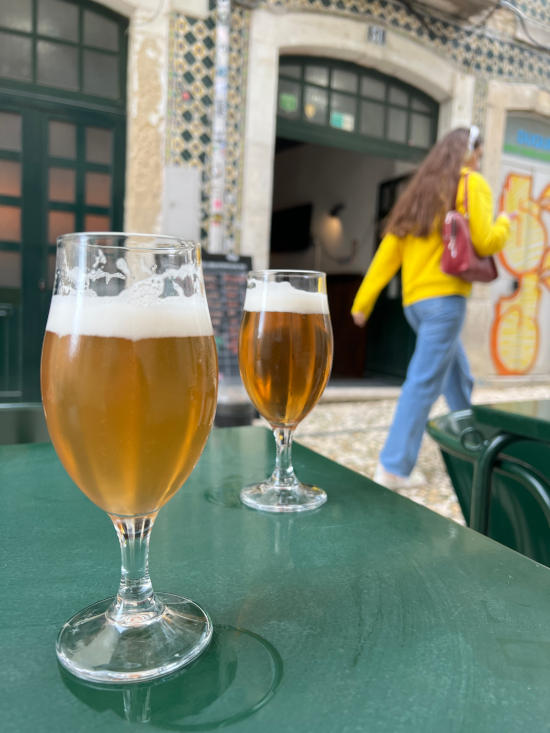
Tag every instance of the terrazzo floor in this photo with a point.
(352, 433)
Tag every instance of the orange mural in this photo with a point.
(526, 256)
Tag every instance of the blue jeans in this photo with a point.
(438, 366)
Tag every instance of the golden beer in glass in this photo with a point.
(285, 357)
(129, 387)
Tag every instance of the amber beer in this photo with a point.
(129, 395)
(285, 351)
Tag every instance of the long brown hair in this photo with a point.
(432, 190)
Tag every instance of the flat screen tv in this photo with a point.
(291, 228)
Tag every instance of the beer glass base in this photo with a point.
(95, 648)
(267, 497)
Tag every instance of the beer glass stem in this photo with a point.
(135, 594)
(283, 476)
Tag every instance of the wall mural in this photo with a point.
(518, 343)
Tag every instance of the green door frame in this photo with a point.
(35, 295)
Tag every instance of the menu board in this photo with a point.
(225, 282)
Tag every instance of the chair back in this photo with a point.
(22, 422)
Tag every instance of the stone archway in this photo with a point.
(272, 36)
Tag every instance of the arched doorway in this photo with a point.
(347, 139)
(62, 151)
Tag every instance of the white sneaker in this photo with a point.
(393, 481)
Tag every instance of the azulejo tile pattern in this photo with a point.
(192, 61)
(191, 98)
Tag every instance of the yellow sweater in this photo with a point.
(419, 257)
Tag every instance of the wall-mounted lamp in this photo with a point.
(332, 238)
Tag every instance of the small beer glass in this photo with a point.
(129, 385)
(285, 358)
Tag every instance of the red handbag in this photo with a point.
(459, 256)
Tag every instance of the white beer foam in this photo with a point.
(112, 316)
(283, 298)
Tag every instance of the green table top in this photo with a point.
(526, 419)
(369, 614)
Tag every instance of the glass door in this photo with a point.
(61, 170)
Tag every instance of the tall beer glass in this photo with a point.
(285, 357)
(129, 383)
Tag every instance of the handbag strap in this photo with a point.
(466, 195)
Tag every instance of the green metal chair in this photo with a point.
(511, 503)
(22, 422)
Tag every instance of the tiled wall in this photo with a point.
(192, 54)
(190, 103)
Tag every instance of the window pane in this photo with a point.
(99, 145)
(373, 88)
(61, 184)
(95, 223)
(16, 15)
(342, 112)
(420, 131)
(315, 105)
(15, 57)
(100, 31)
(58, 19)
(289, 98)
(10, 223)
(10, 178)
(397, 125)
(10, 270)
(98, 189)
(317, 75)
(398, 96)
(10, 131)
(420, 106)
(57, 65)
(101, 74)
(59, 222)
(62, 140)
(292, 70)
(372, 119)
(346, 81)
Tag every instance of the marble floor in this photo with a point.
(350, 426)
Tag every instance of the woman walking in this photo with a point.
(434, 302)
